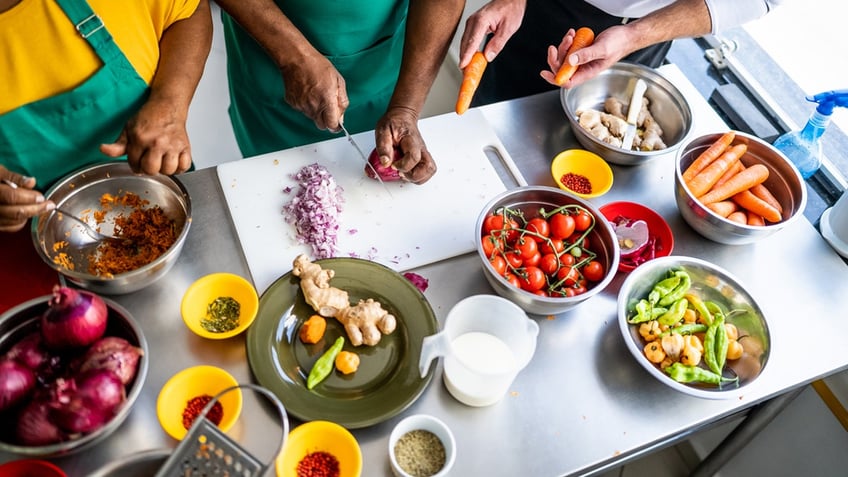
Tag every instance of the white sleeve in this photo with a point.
(726, 14)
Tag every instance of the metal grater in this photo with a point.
(206, 451)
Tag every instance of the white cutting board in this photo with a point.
(415, 226)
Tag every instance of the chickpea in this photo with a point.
(650, 330)
(691, 355)
(694, 342)
(732, 331)
(690, 316)
(672, 344)
(734, 350)
(654, 352)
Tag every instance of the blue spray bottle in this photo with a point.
(803, 147)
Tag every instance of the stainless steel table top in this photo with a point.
(582, 404)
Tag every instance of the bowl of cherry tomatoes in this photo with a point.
(545, 249)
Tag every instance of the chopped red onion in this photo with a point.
(314, 210)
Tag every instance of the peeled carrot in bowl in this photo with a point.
(583, 37)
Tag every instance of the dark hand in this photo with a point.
(19, 202)
(399, 128)
(315, 88)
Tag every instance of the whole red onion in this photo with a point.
(387, 173)
(16, 383)
(29, 351)
(34, 427)
(74, 318)
(114, 354)
(95, 399)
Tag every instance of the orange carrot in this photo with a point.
(706, 179)
(739, 217)
(763, 192)
(756, 174)
(723, 208)
(748, 201)
(471, 76)
(734, 168)
(707, 157)
(583, 37)
(756, 220)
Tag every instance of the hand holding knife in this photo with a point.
(363, 156)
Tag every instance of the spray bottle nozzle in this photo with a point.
(830, 99)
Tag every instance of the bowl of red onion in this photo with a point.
(72, 364)
(642, 233)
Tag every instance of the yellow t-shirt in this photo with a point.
(41, 54)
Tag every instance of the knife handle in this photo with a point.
(636, 101)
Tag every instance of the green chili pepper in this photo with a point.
(683, 373)
(712, 347)
(700, 307)
(721, 342)
(686, 329)
(324, 366)
(643, 312)
(678, 291)
(663, 288)
(675, 312)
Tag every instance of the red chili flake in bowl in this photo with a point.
(195, 406)
(318, 464)
(576, 182)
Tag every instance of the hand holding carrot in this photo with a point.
(471, 76)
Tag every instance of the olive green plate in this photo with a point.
(387, 381)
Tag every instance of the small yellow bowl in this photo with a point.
(586, 164)
(216, 285)
(315, 436)
(190, 383)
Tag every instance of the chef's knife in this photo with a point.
(363, 156)
(633, 113)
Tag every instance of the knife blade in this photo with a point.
(633, 113)
(363, 156)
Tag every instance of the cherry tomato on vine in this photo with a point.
(566, 259)
(533, 261)
(498, 263)
(569, 275)
(512, 279)
(549, 263)
(552, 245)
(532, 279)
(497, 226)
(562, 225)
(513, 259)
(575, 238)
(593, 271)
(539, 226)
(541, 293)
(491, 244)
(582, 221)
(527, 247)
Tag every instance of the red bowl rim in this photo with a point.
(20, 467)
(656, 224)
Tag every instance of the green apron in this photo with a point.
(49, 138)
(363, 39)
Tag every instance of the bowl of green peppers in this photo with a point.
(693, 326)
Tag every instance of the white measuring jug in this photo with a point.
(485, 342)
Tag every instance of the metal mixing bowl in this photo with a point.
(79, 193)
(529, 199)
(667, 105)
(784, 182)
(710, 282)
(24, 319)
(139, 464)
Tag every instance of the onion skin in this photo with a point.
(386, 173)
(34, 427)
(16, 383)
(73, 319)
(113, 354)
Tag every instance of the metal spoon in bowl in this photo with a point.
(89, 230)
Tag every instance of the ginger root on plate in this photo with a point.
(364, 323)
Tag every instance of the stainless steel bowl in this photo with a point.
(140, 464)
(80, 193)
(23, 319)
(711, 283)
(667, 104)
(529, 199)
(784, 182)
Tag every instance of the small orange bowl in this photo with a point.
(657, 228)
(193, 382)
(217, 285)
(582, 163)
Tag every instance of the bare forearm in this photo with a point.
(430, 27)
(271, 28)
(184, 48)
(681, 19)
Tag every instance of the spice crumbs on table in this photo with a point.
(420, 453)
